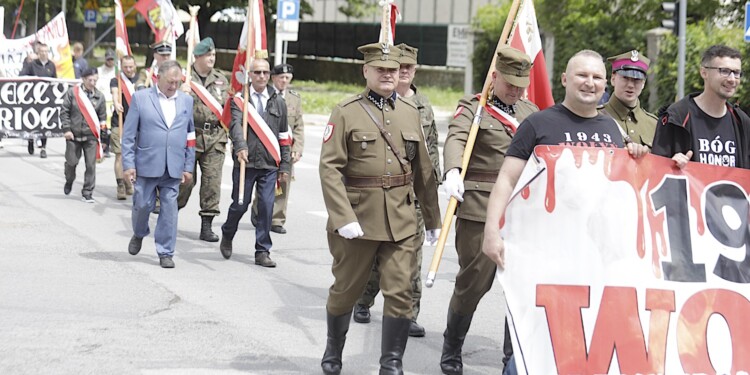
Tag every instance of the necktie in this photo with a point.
(259, 104)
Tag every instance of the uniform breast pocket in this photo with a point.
(363, 144)
(411, 143)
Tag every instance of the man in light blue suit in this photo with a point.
(158, 153)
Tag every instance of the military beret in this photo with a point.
(204, 46)
(408, 54)
(162, 48)
(89, 72)
(381, 55)
(109, 55)
(630, 64)
(514, 65)
(281, 69)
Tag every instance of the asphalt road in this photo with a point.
(73, 301)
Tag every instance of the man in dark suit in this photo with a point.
(158, 148)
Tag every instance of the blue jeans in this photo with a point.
(264, 181)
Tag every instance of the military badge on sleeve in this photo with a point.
(328, 132)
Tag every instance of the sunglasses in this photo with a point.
(260, 72)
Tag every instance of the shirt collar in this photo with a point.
(380, 101)
(162, 95)
(621, 110)
(509, 109)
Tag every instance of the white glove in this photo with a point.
(454, 185)
(351, 230)
(432, 236)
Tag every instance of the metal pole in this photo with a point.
(681, 51)
(36, 17)
(63, 7)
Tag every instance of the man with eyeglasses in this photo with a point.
(265, 152)
(704, 127)
(629, 71)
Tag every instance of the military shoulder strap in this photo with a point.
(386, 136)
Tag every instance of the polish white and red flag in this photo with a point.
(388, 24)
(255, 42)
(122, 45)
(525, 37)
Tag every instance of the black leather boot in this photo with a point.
(393, 344)
(206, 233)
(454, 335)
(338, 326)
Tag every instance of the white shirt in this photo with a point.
(105, 77)
(168, 106)
(263, 98)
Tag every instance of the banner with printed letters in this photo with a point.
(621, 265)
(32, 105)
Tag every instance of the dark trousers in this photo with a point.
(264, 181)
(73, 151)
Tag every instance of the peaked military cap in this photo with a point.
(204, 46)
(281, 69)
(408, 54)
(514, 65)
(630, 64)
(381, 55)
(162, 48)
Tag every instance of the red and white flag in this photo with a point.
(162, 17)
(388, 24)
(525, 37)
(256, 43)
(122, 45)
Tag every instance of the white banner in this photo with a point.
(54, 34)
(616, 265)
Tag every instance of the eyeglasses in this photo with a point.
(259, 72)
(725, 72)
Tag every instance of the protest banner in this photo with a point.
(617, 265)
(54, 34)
(31, 105)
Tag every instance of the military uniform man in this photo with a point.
(505, 109)
(282, 75)
(373, 159)
(209, 91)
(629, 72)
(406, 89)
(128, 78)
(148, 77)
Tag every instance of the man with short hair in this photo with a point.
(265, 152)
(106, 73)
(281, 76)
(704, 127)
(208, 87)
(82, 115)
(121, 100)
(629, 73)
(406, 89)
(573, 122)
(158, 148)
(149, 76)
(372, 161)
(505, 108)
(79, 62)
(40, 66)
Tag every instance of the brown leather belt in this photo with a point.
(384, 181)
(478, 176)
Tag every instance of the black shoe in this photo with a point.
(254, 220)
(338, 326)
(393, 343)
(226, 246)
(30, 147)
(67, 188)
(278, 229)
(43, 154)
(451, 361)
(134, 247)
(206, 233)
(166, 262)
(263, 259)
(361, 314)
(416, 330)
(88, 198)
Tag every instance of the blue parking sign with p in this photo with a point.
(747, 22)
(288, 10)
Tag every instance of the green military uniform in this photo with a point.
(429, 128)
(210, 137)
(365, 182)
(637, 124)
(477, 271)
(297, 127)
(147, 77)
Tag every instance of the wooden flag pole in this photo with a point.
(453, 203)
(246, 94)
(191, 43)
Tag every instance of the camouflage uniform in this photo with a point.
(210, 147)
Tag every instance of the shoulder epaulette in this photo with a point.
(408, 101)
(351, 100)
(293, 93)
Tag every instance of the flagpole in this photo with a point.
(246, 94)
(191, 43)
(453, 203)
